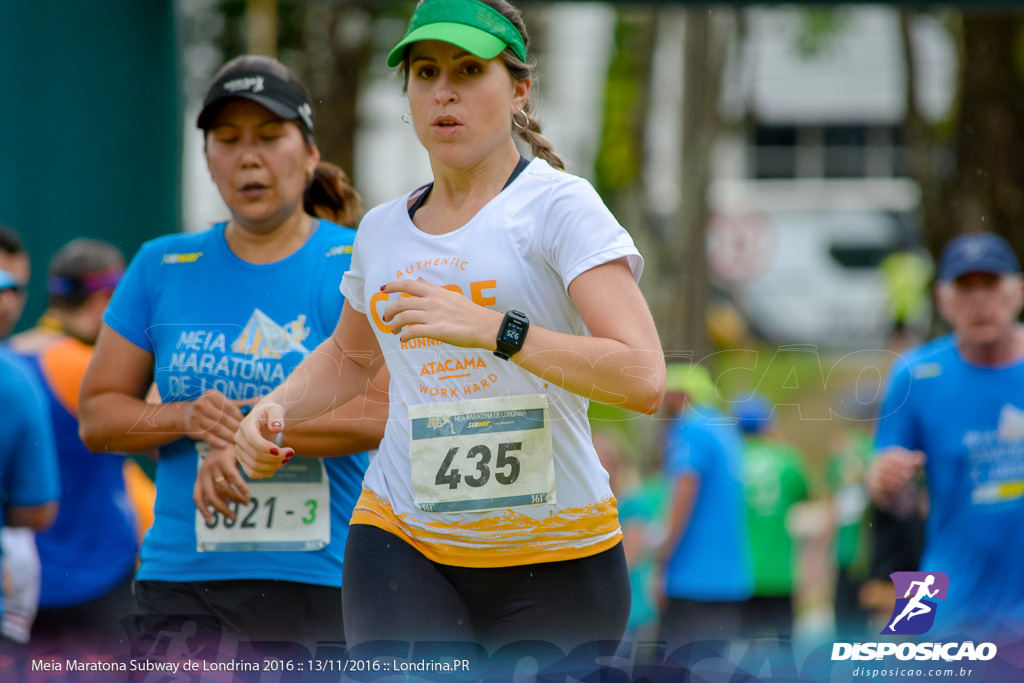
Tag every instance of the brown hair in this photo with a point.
(74, 266)
(518, 70)
(10, 241)
(330, 195)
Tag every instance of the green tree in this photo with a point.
(329, 43)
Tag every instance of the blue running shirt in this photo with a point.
(214, 321)
(969, 422)
(712, 562)
(28, 458)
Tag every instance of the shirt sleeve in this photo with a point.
(130, 310)
(896, 422)
(34, 477)
(580, 233)
(339, 261)
(687, 450)
(353, 282)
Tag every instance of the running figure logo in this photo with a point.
(914, 613)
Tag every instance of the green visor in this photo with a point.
(469, 24)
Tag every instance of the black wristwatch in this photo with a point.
(512, 334)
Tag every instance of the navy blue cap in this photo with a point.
(754, 414)
(977, 252)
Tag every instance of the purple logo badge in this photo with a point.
(916, 593)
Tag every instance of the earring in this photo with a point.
(407, 118)
(526, 117)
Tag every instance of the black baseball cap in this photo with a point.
(977, 252)
(263, 80)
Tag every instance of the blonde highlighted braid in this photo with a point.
(539, 145)
(519, 70)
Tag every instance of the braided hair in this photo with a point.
(530, 131)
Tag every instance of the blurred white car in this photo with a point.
(811, 276)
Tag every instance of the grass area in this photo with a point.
(819, 394)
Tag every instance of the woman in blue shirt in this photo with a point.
(197, 314)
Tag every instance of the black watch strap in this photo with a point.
(511, 334)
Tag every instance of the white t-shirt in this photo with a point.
(521, 251)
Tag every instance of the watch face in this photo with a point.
(513, 333)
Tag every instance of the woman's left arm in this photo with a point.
(621, 364)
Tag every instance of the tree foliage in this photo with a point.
(982, 186)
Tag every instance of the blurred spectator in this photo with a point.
(642, 503)
(11, 298)
(21, 578)
(775, 480)
(20, 564)
(896, 542)
(14, 273)
(906, 275)
(727, 328)
(705, 558)
(954, 410)
(89, 554)
(29, 482)
(850, 457)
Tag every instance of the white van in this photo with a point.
(811, 276)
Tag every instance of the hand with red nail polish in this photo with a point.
(257, 453)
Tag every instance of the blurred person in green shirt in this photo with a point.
(774, 480)
(851, 454)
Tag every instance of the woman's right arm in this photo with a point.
(115, 417)
(335, 372)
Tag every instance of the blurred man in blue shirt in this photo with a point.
(29, 483)
(954, 411)
(706, 563)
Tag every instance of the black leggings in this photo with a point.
(257, 609)
(392, 592)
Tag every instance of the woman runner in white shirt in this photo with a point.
(502, 297)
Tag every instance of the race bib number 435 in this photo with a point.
(482, 454)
